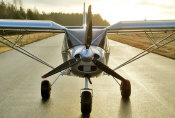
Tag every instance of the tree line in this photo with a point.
(14, 11)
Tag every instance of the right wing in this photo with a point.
(26, 26)
(145, 26)
(142, 26)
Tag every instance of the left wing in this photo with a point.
(27, 26)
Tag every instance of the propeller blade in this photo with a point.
(89, 28)
(106, 69)
(61, 67)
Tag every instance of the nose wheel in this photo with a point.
(86, 102)
(86, 98)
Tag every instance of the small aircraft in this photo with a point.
(85, 49)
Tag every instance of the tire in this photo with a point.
(45, 89)
(86, 102)
(125, 89)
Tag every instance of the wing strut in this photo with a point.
(23, 51)
(148, 50)
(150, 38)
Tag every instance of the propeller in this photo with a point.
(108, 70)
(88, 37)
(71, 62)
(63, 66)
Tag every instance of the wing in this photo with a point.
(142, 26)
(27, 26)
(145, 26)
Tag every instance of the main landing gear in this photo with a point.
(86, 98)
(86, 93)
(125, 89)
(45, 89)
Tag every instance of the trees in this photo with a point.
(12, 11)
(3, 9)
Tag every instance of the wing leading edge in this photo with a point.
(27, 26)
(19, 26)
(142, 26)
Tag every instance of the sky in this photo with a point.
(111, 10)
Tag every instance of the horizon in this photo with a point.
(112, 11)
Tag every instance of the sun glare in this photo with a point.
(123, 10)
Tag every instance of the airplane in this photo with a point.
(85, 49)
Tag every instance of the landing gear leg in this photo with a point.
(86, 98)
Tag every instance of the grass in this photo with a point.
(27, 39)
(139, 40)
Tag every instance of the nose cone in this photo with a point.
(87, 55)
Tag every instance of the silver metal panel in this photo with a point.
(85, 63)
(98, 35)
(146, 24)
(140, 31)
(74, 27)
(81, 27)
(29, 24)
(77, 36)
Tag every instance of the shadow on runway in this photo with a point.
(45, 103)
(85, 116)
(125, 110)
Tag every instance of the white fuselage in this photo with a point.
(86, 66)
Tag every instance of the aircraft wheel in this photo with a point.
(86, 102)
(125, 89)
(45, 89)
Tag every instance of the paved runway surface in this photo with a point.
(152, 79)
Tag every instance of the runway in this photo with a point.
(152, 79)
